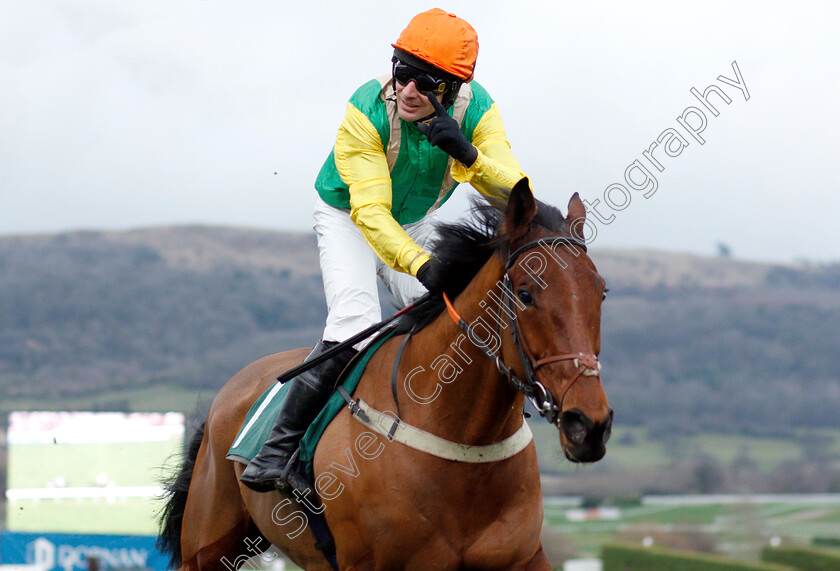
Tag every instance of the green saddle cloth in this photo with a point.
(260, 419)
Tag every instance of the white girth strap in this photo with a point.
(398, 431)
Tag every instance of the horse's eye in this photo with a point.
(525, 297)
(604, 296)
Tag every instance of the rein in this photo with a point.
(587, 363)
(332, 351)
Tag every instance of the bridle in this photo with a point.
(587, 363)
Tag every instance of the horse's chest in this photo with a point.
(413, 511)
(445, 533)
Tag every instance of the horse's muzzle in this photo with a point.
(585, 439)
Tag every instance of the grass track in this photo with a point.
(738, 530)
(632, 448)
(78, 465)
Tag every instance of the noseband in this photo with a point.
(587, 363)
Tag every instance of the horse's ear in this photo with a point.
(520, 210)
(576, 217)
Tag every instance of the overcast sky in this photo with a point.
(125, 114)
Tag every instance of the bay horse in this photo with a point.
(520, 319)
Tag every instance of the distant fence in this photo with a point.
(107, 492)
(707, 499)
(688, 500)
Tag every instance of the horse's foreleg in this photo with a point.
(539, 562)
(226, 553)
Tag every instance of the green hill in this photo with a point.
(161, 317)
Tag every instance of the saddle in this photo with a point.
(260, 418)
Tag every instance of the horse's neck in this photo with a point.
(474, 403)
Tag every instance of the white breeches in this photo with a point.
(350, 269)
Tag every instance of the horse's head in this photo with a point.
(554, 296)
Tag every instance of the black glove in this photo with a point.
(443, 132)
(424, 276)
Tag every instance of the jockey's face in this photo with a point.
(411, 104)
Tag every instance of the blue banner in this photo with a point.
(66, 552)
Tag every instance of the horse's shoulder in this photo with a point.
(380, 365)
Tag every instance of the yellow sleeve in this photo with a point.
(495, 170)
(361, 163)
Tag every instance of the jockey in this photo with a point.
(406, 141)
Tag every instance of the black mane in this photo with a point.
(461, 249)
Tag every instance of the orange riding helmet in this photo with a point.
(443, 40)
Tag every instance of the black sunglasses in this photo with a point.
(405, 73)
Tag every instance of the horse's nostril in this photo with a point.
(576, 425)
(608, 427)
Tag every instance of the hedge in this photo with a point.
(803, 558)
(625, 557)
(826, 542)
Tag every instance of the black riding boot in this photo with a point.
(307, 395)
